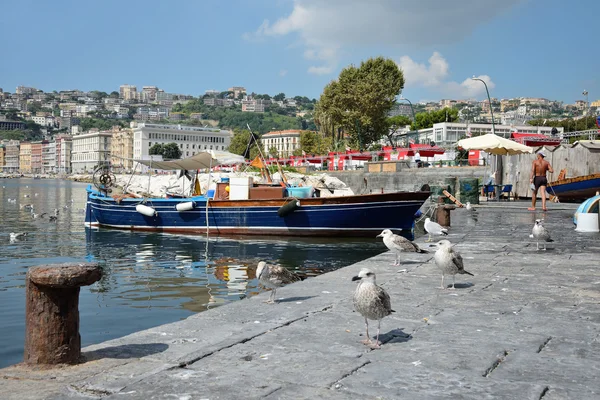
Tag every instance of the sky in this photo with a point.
(521, 48)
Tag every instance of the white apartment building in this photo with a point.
(63, 149)
(446, 134)
(90, 150)
(48, 157)
(44, 120)
(285, 142)
(190, 139)
(128, 92)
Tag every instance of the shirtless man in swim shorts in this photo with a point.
(538, 178)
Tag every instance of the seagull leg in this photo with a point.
(377, 344)
(272, 297)
(453, 281)
(397, 261)
(537, 245)
(443, 287)
(367, 341)
(544, 246)
(429, 238)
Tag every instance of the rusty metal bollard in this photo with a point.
(52, 311)
(443, 212)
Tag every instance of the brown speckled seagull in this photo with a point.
(399, 244)
(448, 261)
(273, 277)
(372, 302)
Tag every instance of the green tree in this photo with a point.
(279, 97)
(156, 149)
(312, 143)
(426, 120)
(273, 152)
(360, 100)
(239, 143)
(171, 151)
(114, 94)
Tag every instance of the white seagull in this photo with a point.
(433, 228)
(372, 302)
(469, 207)
(448, 261)
(273, 277)
(540, 233)
(399, 244)
(17, 236)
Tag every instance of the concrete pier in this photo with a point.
(526, 326)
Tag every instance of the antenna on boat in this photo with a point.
(262, 156)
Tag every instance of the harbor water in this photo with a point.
(149, 278)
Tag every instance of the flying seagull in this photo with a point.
(399, 244)
(372, 302)
(433, 228)
(273, 277)
(540, 233)
(448, 260)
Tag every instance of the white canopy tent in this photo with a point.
(198, 161)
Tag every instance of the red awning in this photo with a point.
(426, 150)
(534, 139)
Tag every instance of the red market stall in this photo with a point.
(534, 139)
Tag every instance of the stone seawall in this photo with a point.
(362, 182)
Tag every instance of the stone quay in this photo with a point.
(526, 326)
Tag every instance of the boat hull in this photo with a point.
(575, 189)
(362, 215)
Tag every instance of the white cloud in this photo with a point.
(283, 72)
(328, 28)
(435, 77)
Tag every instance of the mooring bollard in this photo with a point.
(443, 212)
(52, 311)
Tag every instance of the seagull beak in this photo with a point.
(355, 278)
(380, 235)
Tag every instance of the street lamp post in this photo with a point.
(413, 114)
(490, 102)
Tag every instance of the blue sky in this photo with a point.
(538, 48)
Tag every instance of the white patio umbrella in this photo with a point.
(494, 144)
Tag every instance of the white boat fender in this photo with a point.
(288, 208)
(145, 210)
(187, 206)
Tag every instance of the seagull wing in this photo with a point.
(406, 245)
(457, 260)
(280, 276)
(383, 300)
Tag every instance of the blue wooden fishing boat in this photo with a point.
(575, 189)
(278, 214)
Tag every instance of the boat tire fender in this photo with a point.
(288, 208)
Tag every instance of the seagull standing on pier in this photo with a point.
(540, 233)
(433, 228)
(372, 302)
(448, 261)
(273, 277)
(469, 207)
(399, 244)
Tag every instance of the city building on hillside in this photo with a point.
(12, 156)
(401, 109)
(151, 113)
(68, 122)
(90, 150)
(284, 142)
(64, 146)
(25, 90)
(257, 106)
(237, 91)
(162, 96)
(215, 102)
(212, 92)
(128, 92)
(121, 149)
(48, 157)
(148, 93)
(190, 139)
(25, 158)
(446, 134)
(177, 116)
(44, 120)
(6, 125)
(196, 116)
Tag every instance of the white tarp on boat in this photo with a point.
(198, 161)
